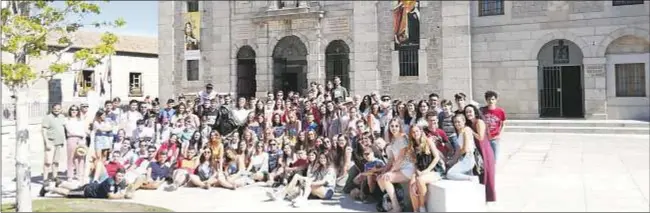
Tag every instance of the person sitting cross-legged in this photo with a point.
(106, 187)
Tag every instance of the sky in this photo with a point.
(141, 17)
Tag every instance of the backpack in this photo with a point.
(385, 204)
(225, 122)
(479, 168)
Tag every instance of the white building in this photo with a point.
(134, 74)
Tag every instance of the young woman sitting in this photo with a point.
(186, 166)
(429, 167)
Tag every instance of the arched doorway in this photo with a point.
(290, 65)
(560, 80)
(337, 62)
(246, 71)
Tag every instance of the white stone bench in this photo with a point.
(456, 196)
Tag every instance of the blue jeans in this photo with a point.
(462, 169)
(453, 139)
(494, 143)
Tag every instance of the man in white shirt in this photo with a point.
(131, 117)
(142, 132)
(207, 95)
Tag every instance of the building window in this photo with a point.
(630, 80)
(86, 82)
(490, 7)
(193, 70)
(626, 2)
(192, 6)
(135, 84)
(408, 60)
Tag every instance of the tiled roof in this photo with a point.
(125, 43)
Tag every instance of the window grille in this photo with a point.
(630, 80)
(135, 84)
(408, 61)
(626, 2)
(192, 6)
(490, 7)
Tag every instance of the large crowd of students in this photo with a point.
(300, 147)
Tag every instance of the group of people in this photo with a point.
(310, 146)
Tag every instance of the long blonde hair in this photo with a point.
(421, 143)
(391, 137)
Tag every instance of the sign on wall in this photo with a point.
(406, 23)
(192, 34)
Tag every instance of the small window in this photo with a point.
(630, 80)
(490, 7)
(135, 84)
(408, 60)
(86, 82)
(280, 4)
(626, 2)
(192, 6)
(193, 70)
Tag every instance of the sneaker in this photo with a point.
(272, 195)
(423, 209)
(474, 179)
(171, 188)
(42, 192)
(299, 202)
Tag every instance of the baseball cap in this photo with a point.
(84, 105)
(209, 86)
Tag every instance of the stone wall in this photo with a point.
(505, 47)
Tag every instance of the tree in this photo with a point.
(26, 28)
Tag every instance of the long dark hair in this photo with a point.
(197, 142)
(340, 151)
(363, 106)
(477, 114)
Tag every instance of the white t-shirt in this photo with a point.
(131, 118)
(241, 115)
(76, 127)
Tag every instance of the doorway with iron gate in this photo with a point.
(561, 92)
(290, 65)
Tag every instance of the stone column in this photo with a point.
(169, 53)
(456, 48)
(365, 35)
(263, 61)
(595, 88)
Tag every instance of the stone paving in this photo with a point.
(535, 172)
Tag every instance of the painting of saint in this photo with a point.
(192, 30)
(406, 23)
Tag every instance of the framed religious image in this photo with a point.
(561, 53)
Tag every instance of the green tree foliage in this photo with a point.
(26, 27)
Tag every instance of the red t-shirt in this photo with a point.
(112, 167)
(494, 119)
(440, 133)
(172, 149)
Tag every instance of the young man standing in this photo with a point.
(434, 102)
(207, 95)
(495, 118)
(339, 93)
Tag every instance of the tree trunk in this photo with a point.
(23, 166)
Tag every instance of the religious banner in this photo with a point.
(192, 34)
(406, 23)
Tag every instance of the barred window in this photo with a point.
(135, 84)
(630, 80)
(626, 2)
(490, 7)
(192, 70)
(408, 60)
(192, 6)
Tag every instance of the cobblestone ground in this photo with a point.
(535, 172)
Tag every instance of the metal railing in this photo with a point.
(35, 110)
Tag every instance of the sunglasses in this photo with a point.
(74, 110)
(366, 154)
(272, 144)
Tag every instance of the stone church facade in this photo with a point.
(578, 59)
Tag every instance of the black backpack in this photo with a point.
(225, 122)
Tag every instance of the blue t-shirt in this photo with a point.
(274, 157)
(159, 171)
(373, 164)
(102, 189)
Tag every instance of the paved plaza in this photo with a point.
(535, 172)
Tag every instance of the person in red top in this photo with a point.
(495, 118)
(438, 135)
(171, 148)
(114, 164)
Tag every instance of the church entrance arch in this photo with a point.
(290, 65)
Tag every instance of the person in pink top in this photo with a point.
(495, 118)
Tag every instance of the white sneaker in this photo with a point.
(299, 202)
(423, 209)
(271, 195)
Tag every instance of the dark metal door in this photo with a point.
(338, 65)
(246, 82)
(550, 92)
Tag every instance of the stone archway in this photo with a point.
(290, 65)
(561, 92)
(337, 62)
(246, 71)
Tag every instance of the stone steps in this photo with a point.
(579, 126)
